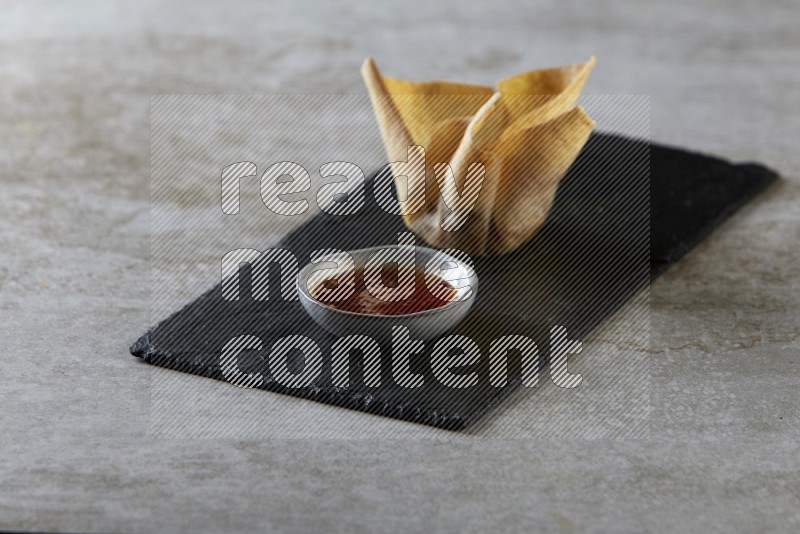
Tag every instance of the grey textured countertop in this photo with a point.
(723, 451)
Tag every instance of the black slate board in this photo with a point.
(589, 258)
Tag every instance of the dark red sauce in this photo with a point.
(362, 301)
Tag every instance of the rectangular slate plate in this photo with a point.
(589, 258)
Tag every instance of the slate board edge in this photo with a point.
(765, 178)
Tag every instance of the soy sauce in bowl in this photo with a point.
(363, 301)
(433, 307)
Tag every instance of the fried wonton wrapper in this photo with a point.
(523, 137)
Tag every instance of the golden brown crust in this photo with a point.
(526, 135)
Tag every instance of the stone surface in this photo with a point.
(624, 213)
(77, 448)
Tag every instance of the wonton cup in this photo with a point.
(522, 137)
